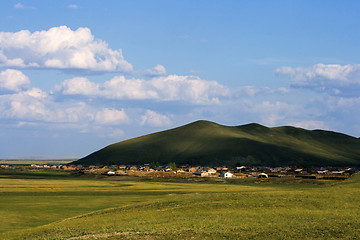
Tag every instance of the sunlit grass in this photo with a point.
(62, 208)
(35, 161)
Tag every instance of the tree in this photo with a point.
(172, 165)
(154, 165)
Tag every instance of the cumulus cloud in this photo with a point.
(168, 88)
(37, 105)
(29, 104)
(60, 48)
(309, 124)
(122, 88)
(334, 79)
(158, 70)
(274, 113)
(13, 80)
(278, 113)
(78, 86)
(253, 91)
(155, 119)
(37, 109)
(189, 88)
(115, 133)
(111, 116)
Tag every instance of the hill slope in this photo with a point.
(209, 144)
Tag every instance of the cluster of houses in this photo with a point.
(226, 172)
(54, 166)
(180, 171)
(198, 171)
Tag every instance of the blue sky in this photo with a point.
(76, 76)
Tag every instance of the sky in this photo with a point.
(78, 75)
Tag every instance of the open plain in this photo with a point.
(49, 204)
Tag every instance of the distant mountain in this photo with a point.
(209, 144)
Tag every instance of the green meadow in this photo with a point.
(35, 161)
(62, 205)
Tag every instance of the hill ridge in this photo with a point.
(209, 144)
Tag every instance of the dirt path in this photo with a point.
(102, 235)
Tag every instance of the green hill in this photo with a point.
(210, 144)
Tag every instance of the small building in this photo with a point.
(133, 168)
(192, 170)
(109, 173)
(201, 174)
(226, 175)
(211, 171)
(240, 169)
(263, 175)
(68, 168)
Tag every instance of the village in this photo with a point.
(186, 171)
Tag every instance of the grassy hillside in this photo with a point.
(209, 144)
(65, 207)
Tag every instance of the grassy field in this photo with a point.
(35, 161)
(59, 205)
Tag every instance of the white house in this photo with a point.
(263, 175)
(211, 171)
(226, 174)
(110, 173)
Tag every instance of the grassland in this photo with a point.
(35, 161)
(59, 205)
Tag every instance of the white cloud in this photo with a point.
(158, 70)
(169, 88)
(121, 88)
(115, 133)
(13, 80)
(155, 119)
(60, 48)
(253, 91)
(78, 86)
(37, 106)
(343, 103)
(24, 105)
(111, 116)
(309, 124)
(189, 88)
(22, 6)
(274, 113)
(19, 6)
(73, 6)
(334, 79)
(277, 113)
